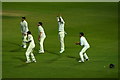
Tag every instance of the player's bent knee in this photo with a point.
(81, 53)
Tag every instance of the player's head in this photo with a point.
(81, 34)
(39, 23)
(28, 32)
(23, 18)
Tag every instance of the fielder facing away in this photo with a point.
(24, 30)
(61, 33)
(41, 37)
(29, 52)
(83, 42)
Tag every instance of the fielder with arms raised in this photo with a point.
(61, 33)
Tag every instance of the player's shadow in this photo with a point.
(17, 45)
(72, 57)
(12, 43)
(21, 65)
(18, 58)
(52, 53)
(22, 60)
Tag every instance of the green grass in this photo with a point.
(97, 20)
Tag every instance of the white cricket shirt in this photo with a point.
(30, 38)
(24, 27)
(60, 24)
(84, 42)
(40, 29)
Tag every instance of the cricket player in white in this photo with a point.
(41, 37)
(83, 42)
(24, 30)
(30, 48)
(61, 33)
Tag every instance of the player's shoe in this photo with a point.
(62, 51)
(86, 59)
(34, 61)
(41, 51)
(81, 61)
(28, 62)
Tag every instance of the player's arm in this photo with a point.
(29, 40)
(40, 34)
(61, 20)
(57, 18)
(77, 43)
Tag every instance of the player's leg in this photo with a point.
(62, 42)
(32, 56)
(24, 39)
(86, 56)
(41, 45)
(81, 54)
(28, 54)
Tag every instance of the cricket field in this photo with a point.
(97, 20)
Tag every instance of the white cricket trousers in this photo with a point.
(29, 53)
(41, 44)
(83, 54)
(61, 38)
(24, 38)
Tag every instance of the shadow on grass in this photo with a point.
(53, 53)
(22, 60)
(12, 43)
(18, 58)
(21, 65)
(16, 44)
(72, 57)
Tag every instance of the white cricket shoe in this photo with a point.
(62, 51)
(34, 61)
(81, 61)
(28, 62)
(86, 59)
(41, 51)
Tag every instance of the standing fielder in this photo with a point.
(83, 42)
(61, 33)
(41, 37)
(30, 48)
(24, 30)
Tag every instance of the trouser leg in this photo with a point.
(33, 57)
(24, 39)
(41, 44)
(82, 53)
(28, 53)
(61, 36)
(81, 56)
(85, 55)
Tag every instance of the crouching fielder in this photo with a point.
(83, 42)
(30, 48)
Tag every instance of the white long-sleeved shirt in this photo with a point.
(30, 38)
(61, 24)
(24, 27)
(83, 42)
(40, 29)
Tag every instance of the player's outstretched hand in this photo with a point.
(77, 43)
